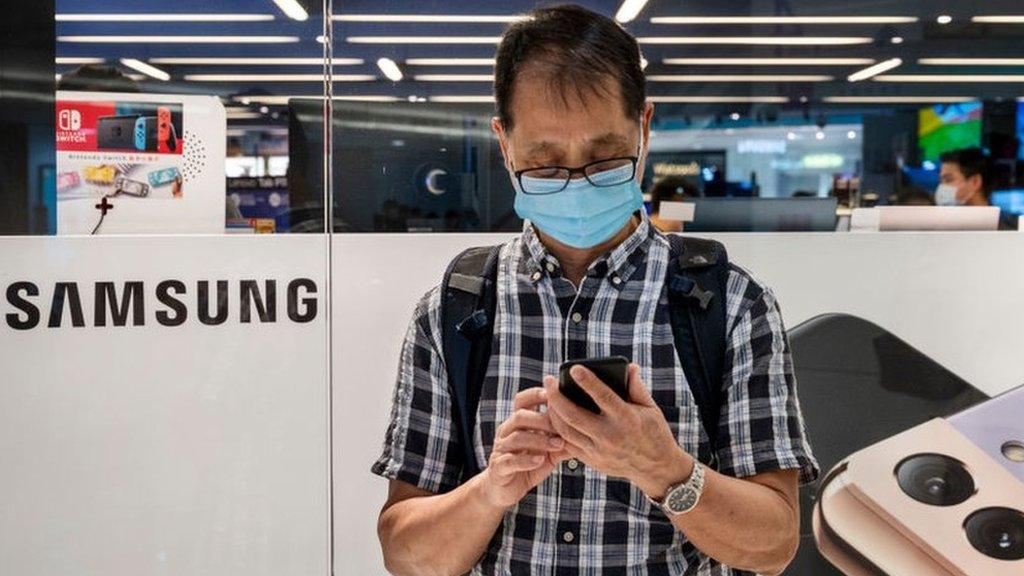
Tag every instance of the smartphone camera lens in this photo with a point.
(1014, 451)
(997, 533)
(935, 479)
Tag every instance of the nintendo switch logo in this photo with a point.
(69, 120)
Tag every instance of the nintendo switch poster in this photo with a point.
(139, 163)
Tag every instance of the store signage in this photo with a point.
(167, 303)
(756, 146)
(673, 169)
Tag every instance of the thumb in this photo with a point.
(638, 393)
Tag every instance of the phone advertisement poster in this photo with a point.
(139, 163)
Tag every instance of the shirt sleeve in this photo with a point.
(420, 447)
(761, 426)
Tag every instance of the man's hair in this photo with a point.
(971, 161)
(574, 49)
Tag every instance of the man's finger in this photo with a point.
(530, 398)
(525, 420)
(523, 441)
(508, 464)
(570, 435)
(638, 392)
(605, 398)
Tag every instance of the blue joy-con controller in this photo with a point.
(140, 133)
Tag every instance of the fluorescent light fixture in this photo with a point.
(463, 99)
(423, 39)
(390, 70)
(450, 61)
(783, 19)
(643, 63)
(208, 39)
(164, 17)
(759, 40)
(870, 71)
(897, 99)
(368, 98)
(454, 78)
(944, 19)
(629, 10)
(292, 9)
(768, 61)
(971, 61)
(720, 99)
(430, 18)
(998, 19)
(280, 100)
(277, 77)
(254, 61)
(245, 115)
(951, 78)
(739, 78)
(146, 69)
(77, 60)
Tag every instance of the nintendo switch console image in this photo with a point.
(117, 132)
(138, 132)
(945, 498)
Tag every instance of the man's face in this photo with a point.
(550, 129)
(951, 174)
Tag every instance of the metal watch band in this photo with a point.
(693, 485)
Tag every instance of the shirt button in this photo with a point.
(535, 276)
(577, 317)
(550, 267)
(568, 536)
(573, 464)
(616, 280)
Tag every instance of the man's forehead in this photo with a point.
(548, 143)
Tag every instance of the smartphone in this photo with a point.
(944, 497)
(612, 370)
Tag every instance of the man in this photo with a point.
(963, 178)
(563, 490)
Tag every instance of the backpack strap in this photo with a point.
(697, 285)
(468, 295)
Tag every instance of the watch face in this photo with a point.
(681, 499)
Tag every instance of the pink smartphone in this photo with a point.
(943, 498)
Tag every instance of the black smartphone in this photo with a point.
(612, 370)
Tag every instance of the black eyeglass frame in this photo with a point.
(577, 170)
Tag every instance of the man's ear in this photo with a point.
(975, 183)
(499, 129)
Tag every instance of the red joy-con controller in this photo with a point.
(163, 130)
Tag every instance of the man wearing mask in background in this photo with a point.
(565, 491)
(962, 178)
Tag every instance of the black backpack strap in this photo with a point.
(697, 285)
(468, 295)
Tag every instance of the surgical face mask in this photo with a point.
(582, 215)
(945, 195)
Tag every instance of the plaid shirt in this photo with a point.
(579, 521)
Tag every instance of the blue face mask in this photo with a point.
(582, 215)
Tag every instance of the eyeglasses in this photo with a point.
(553, 179)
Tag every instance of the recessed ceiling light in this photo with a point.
(897, 99)
(209, 39)
(277, 77)
(453, 78)
(146, 69)
(423, 39)
(951, 78)
(971, 61)
(450, 61)
(719, 99)
(430, 18)
(292, 9)
(759, 40)
(875, 70)
(896, 40)
(390, 69)
(998, 19)
(163, 17)
(944, 19)
(769, 61)
(851, 135)
(734, 116)
(739, 78)
(64, 60)
(254, 61)
(629, 10)
(463, 99)
(790, 136)
(783, 19)
(819, 135)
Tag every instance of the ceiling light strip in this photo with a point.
(784, 19)
(148, 70)
(759, 40)
(211, 39)
(629, 10)
(941, 78)
(450, 61)
(768, 61)
(454, 78)
(277, 77)
(1016, 19)
(431, 18)
(210, 61)
(293, 9)
(971, 61)
(739, 78)
(720, 99)
(423, 39)
(163, 17)
(875, 70)
(75, 60)
(897, 99)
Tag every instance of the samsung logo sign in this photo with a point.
(167, 303)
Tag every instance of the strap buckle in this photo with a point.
(689, 289)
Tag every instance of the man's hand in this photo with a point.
(627, 439)
(526, 450)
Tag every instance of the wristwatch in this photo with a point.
(683, 497)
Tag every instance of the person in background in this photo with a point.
(963, 178)
(914, 196)
(670, 189)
